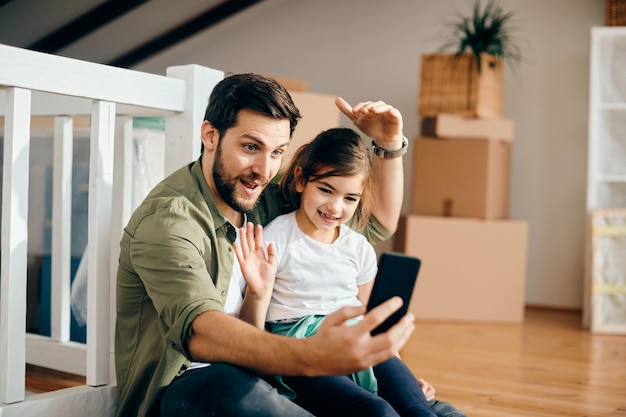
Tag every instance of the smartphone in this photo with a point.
(397, 274)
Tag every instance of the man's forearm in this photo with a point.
(336, 348)
(218, 337)
(389, 180)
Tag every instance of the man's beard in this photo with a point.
(225, 185)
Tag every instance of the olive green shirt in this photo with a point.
(176, 261)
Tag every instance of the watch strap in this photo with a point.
(387, 154)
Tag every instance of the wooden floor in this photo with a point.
(546, 367)
(549, 366)
(40, 380)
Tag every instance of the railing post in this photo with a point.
(121, 208)
(14, 246)
(61, 228)
(98, 243)
(182, 130)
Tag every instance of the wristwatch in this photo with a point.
(386, 154)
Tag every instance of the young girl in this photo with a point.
(321, 264)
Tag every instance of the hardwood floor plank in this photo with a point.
(40, 380)
(548, 366)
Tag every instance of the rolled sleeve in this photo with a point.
(169, 251)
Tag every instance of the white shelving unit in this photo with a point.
(606, 186)
(606, 174)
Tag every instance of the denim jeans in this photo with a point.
(225, 390)
(444, 409)
(399, 394)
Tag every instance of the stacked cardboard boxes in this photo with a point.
(473, 256)
(461, 167)
(318, 111)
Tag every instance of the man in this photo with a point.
(178, 351)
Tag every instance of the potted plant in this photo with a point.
(486, 31)
(470, 81)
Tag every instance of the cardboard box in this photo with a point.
(319, 113)
(456, 126)
(461, 178)
(450, 84)
(292, 84)
(472, 270)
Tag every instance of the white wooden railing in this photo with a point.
(34, 84)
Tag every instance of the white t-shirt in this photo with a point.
(314, 277)
(236, 287)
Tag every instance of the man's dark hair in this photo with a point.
(249, 91)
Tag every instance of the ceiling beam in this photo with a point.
(191, 27)
(84, 24)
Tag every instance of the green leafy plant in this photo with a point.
(487, 30)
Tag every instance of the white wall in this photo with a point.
(370, 49)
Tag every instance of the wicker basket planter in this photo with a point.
(615, 13)
(450, 85)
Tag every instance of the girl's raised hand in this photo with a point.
(259, 269)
